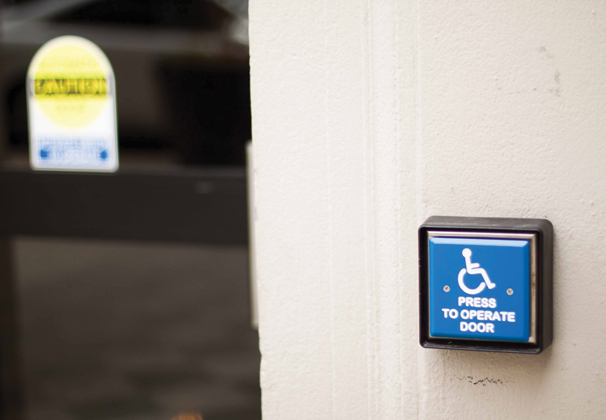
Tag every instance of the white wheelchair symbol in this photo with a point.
(473, 268)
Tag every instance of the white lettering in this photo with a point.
(465, 314)
(477, 302)
(511, 317)
(479, 327)
(445, 310)
(453, 313)
(481, 315)
(472, 314)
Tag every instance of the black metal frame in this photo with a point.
(11, 398)
(202, 206)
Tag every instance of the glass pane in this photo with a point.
(116, 330)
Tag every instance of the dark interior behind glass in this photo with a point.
(145, 313)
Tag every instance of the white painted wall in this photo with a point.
(369, 117)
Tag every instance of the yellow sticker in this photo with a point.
(72, 111)
(70, 86)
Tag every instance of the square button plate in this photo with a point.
(485, 284)
(479, 288)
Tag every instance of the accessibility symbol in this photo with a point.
(473, 268)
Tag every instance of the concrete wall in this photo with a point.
(369, 117)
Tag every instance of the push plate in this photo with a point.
(485, 284)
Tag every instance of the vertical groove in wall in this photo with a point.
(388, 59)
(418, 171)
(418, 119)
(370, 213)
(329, 209)
(367, 173)
(399, 181)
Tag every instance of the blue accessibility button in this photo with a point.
(479, 288)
